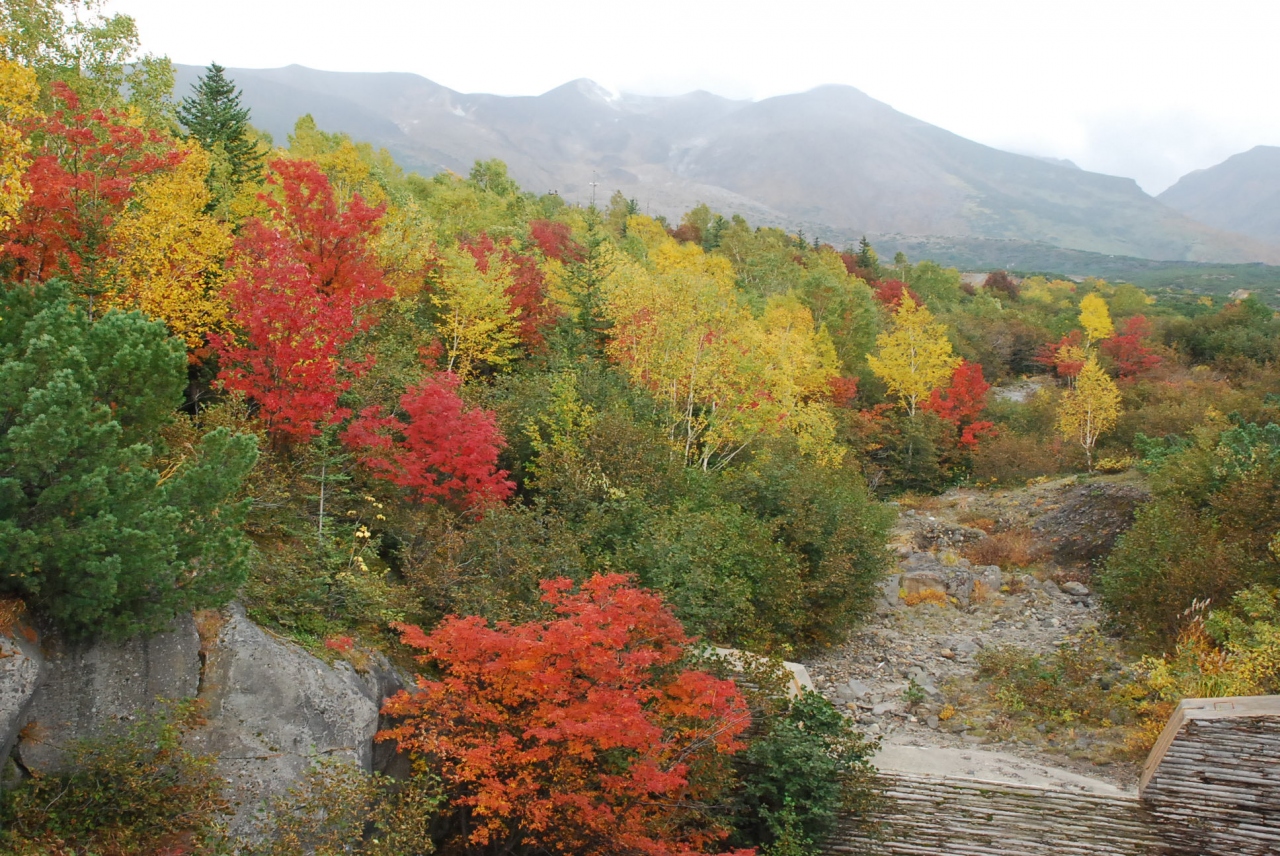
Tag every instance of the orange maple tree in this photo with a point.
(581, 734)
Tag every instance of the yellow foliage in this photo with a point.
(1059, 293)
(914, 356)
(405, 247)
(476, 320)
(1095, 318)
(948, 711)
(927, 596)
(1116, 465)
(724, 376)
(1090, 409)
(18, 93)
(171, 252)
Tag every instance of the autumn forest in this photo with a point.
(546, 456)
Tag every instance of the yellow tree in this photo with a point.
(474, 314)
(914, 356)
(1090, 409)
(723, 376)
(171, 252)
(18, 93)
(1095, 318)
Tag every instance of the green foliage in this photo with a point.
(722, 573)
(91, 533)
(828, 518)
(339, 809)
(75, 43)
(1205, 535)
(1246, 330)
(807, 768)
(214, 117)
(133, 791)
(1081, 682)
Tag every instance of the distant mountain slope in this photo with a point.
(832, 161)
(1241, 194)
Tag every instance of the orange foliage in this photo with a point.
(580, 733)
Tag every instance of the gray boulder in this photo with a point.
(20, 666)
(87, 689)
(273, 710)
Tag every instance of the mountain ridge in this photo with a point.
(1241, 194)
(832, 161)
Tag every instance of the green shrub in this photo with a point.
(91, 533)
(339, 809)
(806, 769)
(135, 792)
(827, 517)
(1205, 535)
(723, 574)
(1081, 682)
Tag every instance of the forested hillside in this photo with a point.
(544, 454)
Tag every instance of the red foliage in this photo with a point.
(85, 169)
(687, 233)
(962, 403)
(851, 265)
(442, 451)
(528, 289)
(341, 644)
(580, 734)
(999, 282)
(889, 293)
(307, 278)
(555, 240)
(1054, 355)
(844, 390)
(1125, 348)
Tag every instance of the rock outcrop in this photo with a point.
(270, 708)
(1083, 525)
(89, 688)
(21, 664)
(273, 710)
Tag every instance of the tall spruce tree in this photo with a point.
(214, 117)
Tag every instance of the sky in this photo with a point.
(1139, 88)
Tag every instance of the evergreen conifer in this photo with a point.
(214, 117)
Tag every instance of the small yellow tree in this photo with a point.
(1095, 318)
(475, 317)
(171, 252)
(18, 92)
(914, 356)
(1090, 409)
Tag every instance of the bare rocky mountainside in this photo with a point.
(1241, 194)
(831, 161)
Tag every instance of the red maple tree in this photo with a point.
(85, 167)
(555, 240)
(889, 293)
(1063, 356)
(528, 289)
(1127, 351)
(577, 735)
(307, 278)
(440, 450)
(962, 402)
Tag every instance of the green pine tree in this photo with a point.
(214, 117)
(91, 535)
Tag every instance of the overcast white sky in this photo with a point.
(1149, 89)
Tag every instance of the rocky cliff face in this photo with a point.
(271, 708)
